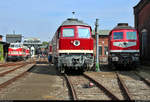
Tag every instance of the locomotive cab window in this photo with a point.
(17, 46)
(83, 33)
(68, 32)
(11, 46)
(117, 35)
(131, 35)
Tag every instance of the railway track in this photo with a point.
(16, 63)
(134, 85)
(80, 89)
(10, 75)
(42, 61)
(11, 64)
(107, 87)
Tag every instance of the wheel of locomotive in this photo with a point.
(62, 70)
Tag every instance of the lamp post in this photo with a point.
(97, 47)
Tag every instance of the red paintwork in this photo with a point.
(111, 40)
(27, 52)
(50, 48)
(19, 52)
(66, 43)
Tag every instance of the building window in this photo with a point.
(100, 50)
(106, 50)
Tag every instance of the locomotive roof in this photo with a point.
(73, 21)
(123, 26)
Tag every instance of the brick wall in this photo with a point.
(142, 21)
(103, 42)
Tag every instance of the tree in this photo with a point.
(44, 43)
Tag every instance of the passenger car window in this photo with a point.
(118, 35)
(68, 32)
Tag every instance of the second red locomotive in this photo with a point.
(124, 45)
(72, 46)
(18, 51)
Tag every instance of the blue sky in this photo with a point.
(41, 18)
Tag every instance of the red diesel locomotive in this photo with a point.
(124, 46)
(72, 46)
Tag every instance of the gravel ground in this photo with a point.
(41, 83)
(137, 88)
(84, 91)
(109, 81)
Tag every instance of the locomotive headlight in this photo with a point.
(115, 59)
(113, 55)
(76, 43)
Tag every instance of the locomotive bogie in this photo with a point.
(124, 59)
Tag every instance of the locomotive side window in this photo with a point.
(83, 33)
(68, 32)
(118, 35)
(131, 35)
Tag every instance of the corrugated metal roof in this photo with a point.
(31, 39)
(73, 21)
(101, 32)
(13, 35)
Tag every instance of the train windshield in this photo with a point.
(15, 46)
(117, 35)
(131, 35)
(68, 32)
(84, 33)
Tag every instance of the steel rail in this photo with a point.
(11, 64)
(6, 72)
(123, 87)
(106, 91)
(146, 81)
(71, 88)
(3, 85)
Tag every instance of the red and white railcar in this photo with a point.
(72, 46)
(27, 52)
(124, 45)
(16, 51)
